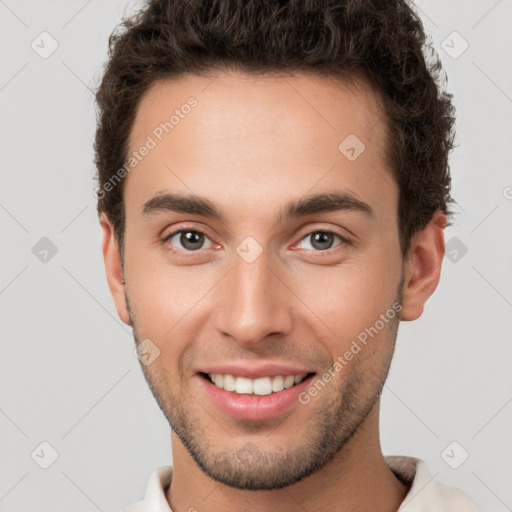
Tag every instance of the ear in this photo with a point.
(114, 268)
(423, 267)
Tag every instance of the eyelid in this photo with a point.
(169, 234)
(320, 227)
(174, 233)
(343, 240)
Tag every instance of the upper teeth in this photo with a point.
(261, 386)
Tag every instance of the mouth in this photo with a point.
(261, 386)
(258, 399)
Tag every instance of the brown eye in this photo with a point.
(189, 240)
(321, 240)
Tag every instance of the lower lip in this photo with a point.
(254, 407)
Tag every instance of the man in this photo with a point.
(273, 189)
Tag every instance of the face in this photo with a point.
(258, 254)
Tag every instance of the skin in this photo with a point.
(252, 145)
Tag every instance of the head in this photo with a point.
(273, 188)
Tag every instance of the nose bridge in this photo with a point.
(254, 303)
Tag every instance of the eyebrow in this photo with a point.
(329, 202)
(197, 205)
(180, 203)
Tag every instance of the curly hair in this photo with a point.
(381, 40)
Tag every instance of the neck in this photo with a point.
(357, 479)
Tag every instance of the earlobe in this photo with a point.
(423, 267)
(114, 268)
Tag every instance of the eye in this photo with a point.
(321, 240)
(190, 240)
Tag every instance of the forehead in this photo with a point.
(259, 136)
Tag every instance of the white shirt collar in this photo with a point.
(424, 494)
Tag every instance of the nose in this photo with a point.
(253, 303)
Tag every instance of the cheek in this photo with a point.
(172, 302)
(350, 297)
(166, 299)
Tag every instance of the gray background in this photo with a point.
(68, 373)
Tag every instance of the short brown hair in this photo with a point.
(383, 40)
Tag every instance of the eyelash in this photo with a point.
(168, 237)
(343, 240)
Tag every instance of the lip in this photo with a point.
(255, 371)
(254, 407)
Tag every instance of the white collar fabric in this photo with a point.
(425, 495)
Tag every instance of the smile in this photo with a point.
(261, 386)
(259, 398)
